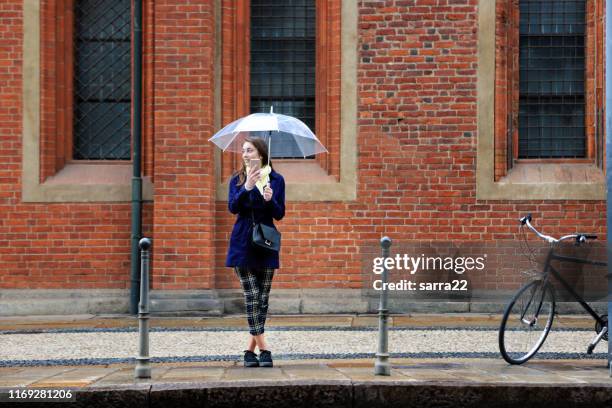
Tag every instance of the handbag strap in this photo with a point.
(252, 214)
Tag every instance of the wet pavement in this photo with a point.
(345, 381)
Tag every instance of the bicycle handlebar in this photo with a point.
(580, 238)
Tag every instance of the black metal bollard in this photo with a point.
(143, 366)
(382, 366)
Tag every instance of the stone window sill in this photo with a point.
(87, 182)
(79, 173)
(302, 171)
(546, 181)
(556, 173)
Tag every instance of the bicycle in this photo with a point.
(529, 316)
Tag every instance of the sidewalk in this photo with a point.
(308, 379)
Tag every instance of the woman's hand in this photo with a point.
(267, 193)
(252, 178)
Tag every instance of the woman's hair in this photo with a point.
(262, 149)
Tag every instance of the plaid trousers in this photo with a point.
(256, 284)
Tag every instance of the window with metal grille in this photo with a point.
(283, 60)
(102, 76)
(552, 71)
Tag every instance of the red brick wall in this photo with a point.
(10, 136)
(416, 168)
(50, 245)
(417, 153)
(183, 216)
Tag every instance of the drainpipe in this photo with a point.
(136, 179)
(608, 110)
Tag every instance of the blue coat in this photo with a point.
(242, 202)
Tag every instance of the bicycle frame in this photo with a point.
(552, 256)
(540, 287)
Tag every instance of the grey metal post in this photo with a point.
(608, 110)
(382, 366)
(143, 367)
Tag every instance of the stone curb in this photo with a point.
(340, 393)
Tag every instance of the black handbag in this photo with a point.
(265, 237)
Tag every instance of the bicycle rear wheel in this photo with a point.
(527, 321)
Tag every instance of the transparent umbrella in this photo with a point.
(291, 136)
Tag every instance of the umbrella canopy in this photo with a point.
(291, 136)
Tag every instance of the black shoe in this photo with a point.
(265, 358)
(250, 359)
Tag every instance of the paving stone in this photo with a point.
(447, 320)
(371, 321)
(312, 372)
(78, 377)
(352, 363)
(195, 373)
(9, 370)
(367, 374)
(30, 375)
(309, 321)
(494, 373)
(126, 376)
(254, 373)
(427, 375)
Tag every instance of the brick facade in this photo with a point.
(417, 129)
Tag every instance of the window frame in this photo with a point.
(589, 152)
(69, 50)
(510, 75)
(289, 93)
(48, 172)
(57, 88)
(498, 177)
(334, 178)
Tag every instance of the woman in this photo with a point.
(256, 194)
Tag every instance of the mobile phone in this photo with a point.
(255, 164)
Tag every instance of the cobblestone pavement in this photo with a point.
(436, 360)
(92, 340)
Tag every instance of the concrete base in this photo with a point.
(22, 302)
(185, 302)
(321, 393)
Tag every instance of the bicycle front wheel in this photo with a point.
(527, 321)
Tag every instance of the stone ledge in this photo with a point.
(22, 302)
(383, 392)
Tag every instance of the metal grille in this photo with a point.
(283, 58)
(552, 71)
(102, 97)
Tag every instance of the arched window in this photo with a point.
(283, 60)
(551, 114)
(102, 81)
